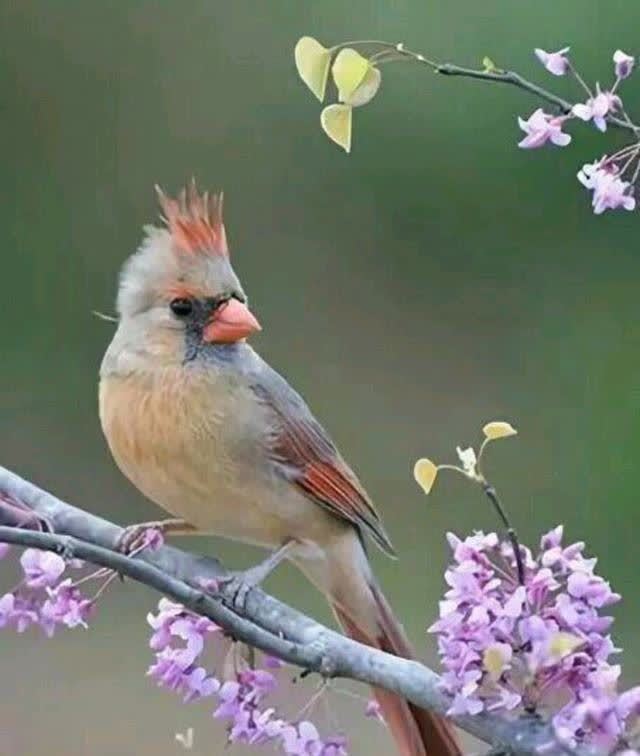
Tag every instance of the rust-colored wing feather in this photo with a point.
(305, 454)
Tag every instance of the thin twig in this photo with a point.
(492, 494)
(499, 76)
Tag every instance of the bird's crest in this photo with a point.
(195, 221)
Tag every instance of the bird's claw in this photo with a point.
(136, 538)
(19, 515)
(237, 586)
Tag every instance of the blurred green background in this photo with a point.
(435, 279)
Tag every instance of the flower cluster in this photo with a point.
(609, 189)
(605, 178)
(42, 597)
(179, 641)
(541, 646)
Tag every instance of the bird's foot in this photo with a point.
(236, 586)
(149, 535)
(15, 513)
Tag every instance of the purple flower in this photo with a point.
(16, 611)
(373, 710)
(161, 623)
(230, 700)
(266, 727)
(597, 108)
(556, 62)
(41, 568)
(65, 606)
(610, 192)
(541, 128)
(257, 684)
(624, 64)
(593, 718)
(179, 640)
(302, 740)
(7, 603)
(628, 703)
(335, 746)
(197, 684)
(505, 646)
(465, 705)
(4, 550)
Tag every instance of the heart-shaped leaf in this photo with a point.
(498, 429)
(336, 122)
(349, 69)
(367, 89)
(425, 472)
(312, 62)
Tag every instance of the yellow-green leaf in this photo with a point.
(498, 429)
(367, 89)
(312, 62)
(349, 69)
(564, 643)
(495, 659)
(336, 122)
(488, 64)
(425, 472)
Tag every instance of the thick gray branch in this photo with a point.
(265, 622)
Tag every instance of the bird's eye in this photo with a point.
(181, 307)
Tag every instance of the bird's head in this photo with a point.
(179, 288)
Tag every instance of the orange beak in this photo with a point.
(231, 322)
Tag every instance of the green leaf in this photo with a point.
(488, 65)
(349, 69)
(312, 62)
(336, 122)
(367, 89)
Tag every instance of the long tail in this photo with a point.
(365, 615)
(417, 732)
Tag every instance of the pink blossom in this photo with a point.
(541, 128)
(65, 606)
(597, 108)
(373, 710)
(16, 611)
(624, 64)
(505, 645)
(302, 740)
(41, 568)
(556, 62)
(610, 192)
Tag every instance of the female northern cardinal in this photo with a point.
(206, 429)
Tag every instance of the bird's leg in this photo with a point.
(238, 584)
(135, 538)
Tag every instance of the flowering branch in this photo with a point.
(263, 622)
(356, 71)
(500, 76)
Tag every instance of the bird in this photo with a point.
(208, 431)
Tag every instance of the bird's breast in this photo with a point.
(190, 443)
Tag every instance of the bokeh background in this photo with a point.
(435, 279)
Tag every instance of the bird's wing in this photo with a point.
(306, 455)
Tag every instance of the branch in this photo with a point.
(498, 76)
(264, 622)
